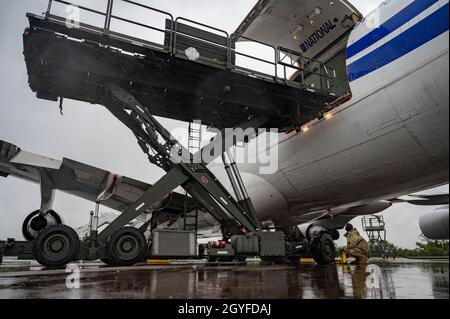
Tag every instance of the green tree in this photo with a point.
(428, 247)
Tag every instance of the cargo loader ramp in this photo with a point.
(189, 72)
(193, 74)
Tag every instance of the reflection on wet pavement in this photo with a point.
(253, 281)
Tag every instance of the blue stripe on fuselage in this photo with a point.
(408, 13)
(416, 36)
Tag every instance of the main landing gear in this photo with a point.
(323, 250)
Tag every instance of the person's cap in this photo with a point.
(348, 227)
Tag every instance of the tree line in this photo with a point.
(424, 248)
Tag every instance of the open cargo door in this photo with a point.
(311, 27)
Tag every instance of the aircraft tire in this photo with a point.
(323, 250)
(56, 246)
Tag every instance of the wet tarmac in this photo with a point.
(184, 280)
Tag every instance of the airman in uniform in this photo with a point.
(357, 246)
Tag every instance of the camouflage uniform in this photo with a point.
(357, 246)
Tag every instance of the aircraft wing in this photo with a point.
(308, 26)
(424, 200)
(338, 217)
(78, 179)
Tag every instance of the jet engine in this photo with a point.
(310, 231)
(35, 222)
(434, 225)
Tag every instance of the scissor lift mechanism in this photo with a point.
(238, 219)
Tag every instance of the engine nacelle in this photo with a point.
(434, 225)
(310, 231)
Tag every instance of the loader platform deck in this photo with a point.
(192, 75)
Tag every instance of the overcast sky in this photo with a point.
(89, 134)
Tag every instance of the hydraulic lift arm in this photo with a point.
(180, 166)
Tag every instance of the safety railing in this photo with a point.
(110, 17)
(235, 37)
(309, 71)
(219, 45)
(373, 223)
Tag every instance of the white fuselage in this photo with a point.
(391, 138)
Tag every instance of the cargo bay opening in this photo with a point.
(318, 29)
(183, 69)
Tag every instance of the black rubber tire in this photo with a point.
(42, 222)
(126, 247)
(56, 246)
(323, 250)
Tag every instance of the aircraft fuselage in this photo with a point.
(391, 138)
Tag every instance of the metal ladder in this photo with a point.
(190, 221)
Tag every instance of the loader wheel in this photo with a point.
(126, 247)
(323, 250)
(56, 246)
